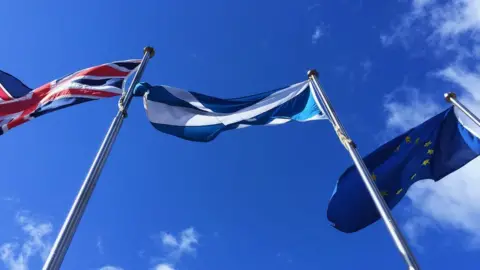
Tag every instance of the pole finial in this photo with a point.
(312, 73)
(149, 49)
(449, 96)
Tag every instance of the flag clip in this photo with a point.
(344, 139)
(121, 106)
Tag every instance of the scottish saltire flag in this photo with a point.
(432, 150)
(19, 103)
(197, 117)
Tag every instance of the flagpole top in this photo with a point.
(149, 49)
(312, 73)
(449, 96)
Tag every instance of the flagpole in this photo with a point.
(65, 236)
(452, 98)
(381, 205)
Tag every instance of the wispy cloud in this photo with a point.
(10, 199)
(164, 266)
(415, 227)
(318, 33)
(109, 267)
(466, 79)
(415, 19)
(401, 31)
(438, 22)
(456, 17)
(452, 202)
(284, 257)
(16, 255)
(184, 244)
(100, 245)
(406, 108)
(420, 4)
(176, 247)
(367, 68)
(314, 6)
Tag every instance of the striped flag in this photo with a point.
(197, 117)
(20, 104)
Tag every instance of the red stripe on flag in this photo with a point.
(16, 106)
(22, 118)
(102, 71)
(24, 103)
(80, 92)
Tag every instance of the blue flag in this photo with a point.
(197, 117)
(432, 150)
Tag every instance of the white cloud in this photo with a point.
(100, 245)
(402, 30)
(457, 17)
(317, 34)
(420, 4)
(367, 67)
(10, 199)
(452, 202)
(183, 245)
(415, 227)
(109, 267)
(468, 80)
(438, 22)
(164, 266)
(406, 108)
(16, 256)
(175, 248)
(169, 240)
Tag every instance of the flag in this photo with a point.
(197, 117)
(19, 103)
(432, 150)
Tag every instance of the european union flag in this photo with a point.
(432, 150)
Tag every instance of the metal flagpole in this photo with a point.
(452, 98)
(64, 238)
(381, 205)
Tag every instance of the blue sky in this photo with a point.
(254, 198)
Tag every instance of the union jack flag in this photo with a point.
(20, 104)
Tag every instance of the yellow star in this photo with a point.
(399, 191)
(384, 193)
(430, 151)
(427, 144)
(413, 176)
(417, 140)
(426, 162)
(408, 140)
(374, 177)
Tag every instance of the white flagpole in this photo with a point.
(381, 205)
(452, 98)
(64, 238)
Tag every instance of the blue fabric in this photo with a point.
(432, 150)
(58, 104)
(14, 87)
(160, 94)
(299, 108)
